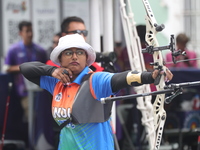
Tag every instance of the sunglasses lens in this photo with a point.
(85, 32)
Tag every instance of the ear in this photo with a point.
(59, 60)
(63, 34)
(19, 33)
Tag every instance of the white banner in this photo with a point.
(46, 21)
(13, 11)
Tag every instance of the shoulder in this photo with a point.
(100, 84)
(102, 76)
(190, 53)
(14, 50)
(14, 47)
(102, 73)
(38, 47)
(48, 83)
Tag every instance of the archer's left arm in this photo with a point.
(134, 78)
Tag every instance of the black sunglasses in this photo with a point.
(84, 32)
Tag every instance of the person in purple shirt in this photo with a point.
(23, 51)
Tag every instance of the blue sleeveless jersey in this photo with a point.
(89, 136)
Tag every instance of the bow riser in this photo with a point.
(137, 63)
(159, 113)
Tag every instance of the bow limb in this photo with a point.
(137, 63)
(159, 113)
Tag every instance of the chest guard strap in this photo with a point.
(86, 109)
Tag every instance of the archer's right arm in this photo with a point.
(33, 70)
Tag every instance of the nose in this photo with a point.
(30, 33)
(74, 55)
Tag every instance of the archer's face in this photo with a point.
(74, 59)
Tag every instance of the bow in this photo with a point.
(137, 63)
(152, 28)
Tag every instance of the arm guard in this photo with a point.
(33, 70)
(130, 78)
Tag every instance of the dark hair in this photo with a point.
(24, 24)
(141, 29)
(182, 38)
(68, 20)
(58, 34)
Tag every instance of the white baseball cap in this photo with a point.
(69, 41)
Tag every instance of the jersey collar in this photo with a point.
(81, 75)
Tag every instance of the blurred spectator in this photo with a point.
(73, 25)
(122, 63)
(23, 51)
(181, 43)
(148, 58)
(56, 38)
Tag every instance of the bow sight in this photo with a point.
(151, 49)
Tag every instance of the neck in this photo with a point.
(27, 43)
(73, 78)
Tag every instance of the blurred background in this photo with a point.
(106, 34)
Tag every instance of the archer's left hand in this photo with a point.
(167, 73)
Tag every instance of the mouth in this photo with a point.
(74, 63)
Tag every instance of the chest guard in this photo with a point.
(86, 109)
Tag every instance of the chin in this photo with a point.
(75, 69)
